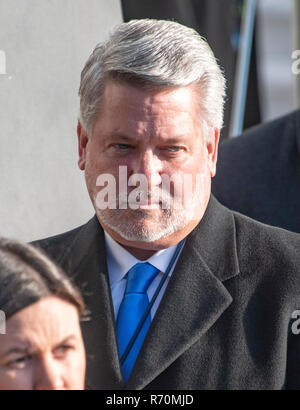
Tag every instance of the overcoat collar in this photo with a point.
(194, 300)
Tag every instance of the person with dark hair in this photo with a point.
(42, 347)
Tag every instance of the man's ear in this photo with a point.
(82, 145)
(212, 149)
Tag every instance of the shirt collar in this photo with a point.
(119, 260)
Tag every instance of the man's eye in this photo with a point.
(20, 362)
(173, 149)
(122, 147)
(62, 350)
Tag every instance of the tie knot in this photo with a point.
(139, 277)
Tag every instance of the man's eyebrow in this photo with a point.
(174, 140)
(116, 136)
(67, 339)
(28, 349)
(167, 140)
(16, 350)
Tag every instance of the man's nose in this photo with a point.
(48, 375)
(148, 164)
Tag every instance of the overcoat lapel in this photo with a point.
(193, 302)
(195, 297)
(89, 268)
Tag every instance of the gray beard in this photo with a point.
(133, 226)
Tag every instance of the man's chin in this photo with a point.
(141, 228)
(136, 232)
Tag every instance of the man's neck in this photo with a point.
(141, 254)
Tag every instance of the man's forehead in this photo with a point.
(166, 95)
(126, 111)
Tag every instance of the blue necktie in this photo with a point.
(132, 308)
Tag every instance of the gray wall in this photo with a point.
(46, 43)
(274, 44)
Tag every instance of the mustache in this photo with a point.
(141, 196)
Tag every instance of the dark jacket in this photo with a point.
(258, 173)
(225, 321)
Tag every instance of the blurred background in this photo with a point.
(275, 45)
(43, 47)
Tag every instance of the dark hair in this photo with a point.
(28, 275)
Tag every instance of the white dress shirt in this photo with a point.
(120, 261)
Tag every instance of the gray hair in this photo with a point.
(153, 54)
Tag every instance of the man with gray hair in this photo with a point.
(183, 293)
